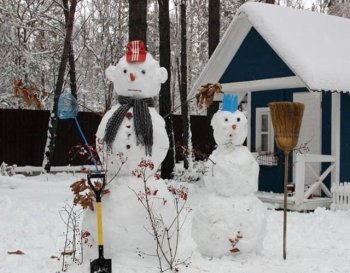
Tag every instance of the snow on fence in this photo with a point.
(341, 196)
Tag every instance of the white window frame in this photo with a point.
(259, 112)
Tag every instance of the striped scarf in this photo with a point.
(142, 122)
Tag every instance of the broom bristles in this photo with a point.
(286, 120)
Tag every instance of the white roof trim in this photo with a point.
(261, 85)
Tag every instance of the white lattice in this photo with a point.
(341, 196)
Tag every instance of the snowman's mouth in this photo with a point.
(134, 90)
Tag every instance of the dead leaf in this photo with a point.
(234, 250)
(55, 257)
(17, 252)
(67, 253)
(206, 94)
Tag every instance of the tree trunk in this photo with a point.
(72, 72)
(213, 25)
(52, 130)
(165, 95)
(138, 20)
(71, 58)
(183, 84)
(213, 41)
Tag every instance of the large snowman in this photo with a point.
(131, 136)
(132, 128)
(230, 219)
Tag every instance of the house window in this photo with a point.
(264, 138)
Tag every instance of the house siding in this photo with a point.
(255, 60)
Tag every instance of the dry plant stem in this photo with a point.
(155, 231)
(159, 238)
(178, 226)
(177, 229)
(151, 216)
(286, 156)
(71, 226)
(161, 233)
(66, 238)
(110, 180)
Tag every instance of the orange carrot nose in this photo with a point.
(132, 77)
(234, 126)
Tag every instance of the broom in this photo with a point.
(286, 120)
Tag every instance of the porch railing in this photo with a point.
(341, 196)
(301, 163)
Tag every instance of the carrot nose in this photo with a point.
(234, 126)
(132, 77)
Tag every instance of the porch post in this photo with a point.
(335, 139)
(249, 118)
(299, 178)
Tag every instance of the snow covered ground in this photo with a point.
(30, 222)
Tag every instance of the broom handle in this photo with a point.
(286, 163)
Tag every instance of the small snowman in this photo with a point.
(230, 219)
(231, 157)
(130, 135)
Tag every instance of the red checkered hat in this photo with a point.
(136, 52)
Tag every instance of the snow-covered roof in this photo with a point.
(314, 46)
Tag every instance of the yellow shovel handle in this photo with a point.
(99, 223)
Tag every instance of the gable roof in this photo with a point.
(302, 49)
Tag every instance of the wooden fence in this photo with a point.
(23, 136)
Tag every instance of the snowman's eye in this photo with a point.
(226, 119)
(143, 71)
(238, 119)
(125, 71)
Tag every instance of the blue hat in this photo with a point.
(229, 103)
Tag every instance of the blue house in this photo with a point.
(274, 53)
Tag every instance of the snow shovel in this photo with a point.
(99, 265)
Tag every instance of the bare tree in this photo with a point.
(338, 7)
(28, 43)
(213, 25)
(52, 130)
(183, 83)
(213, 41)
(71, 59)
(103, 38)
(165, 94)
(138, 20)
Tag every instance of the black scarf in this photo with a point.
(142, 122)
